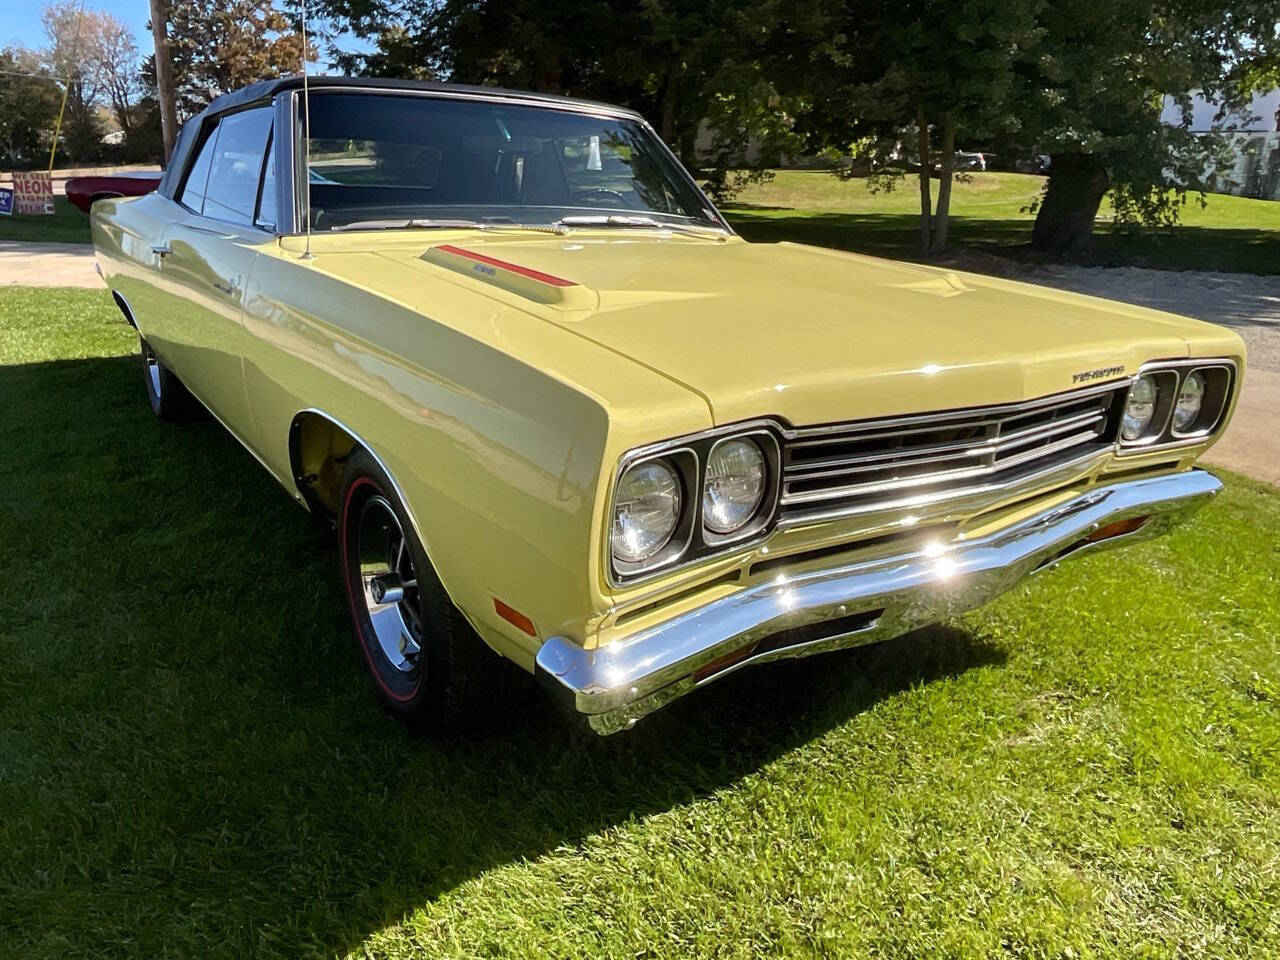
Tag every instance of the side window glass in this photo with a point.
(192, 195)
(266, 215)
(232, 193)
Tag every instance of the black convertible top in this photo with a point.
(266, 89)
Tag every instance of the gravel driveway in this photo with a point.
(1248, 304)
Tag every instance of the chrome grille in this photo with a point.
(877, 464)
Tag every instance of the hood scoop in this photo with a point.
(523, 281)
(945, 285)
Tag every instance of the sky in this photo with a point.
(21, 23)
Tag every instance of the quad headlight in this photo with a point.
(1176, 402)
(1190, 402)
(1140, 407)
(693, 498)
(734, 486)
(646, 511)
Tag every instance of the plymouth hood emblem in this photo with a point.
(1102, 373)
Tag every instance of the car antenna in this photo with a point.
(306, 132)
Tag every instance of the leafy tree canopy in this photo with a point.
(714, 76)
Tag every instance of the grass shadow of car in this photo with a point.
(194, 761)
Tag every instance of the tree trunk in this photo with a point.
(164, 77)
(926, 202)
(548, 71)
(940, 218)
(1077, 184)
(669, 103)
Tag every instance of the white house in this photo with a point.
(1254, 138)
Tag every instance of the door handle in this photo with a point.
(161, 249)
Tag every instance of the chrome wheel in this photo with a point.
(389, 584)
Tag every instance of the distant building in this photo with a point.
(1254, 138)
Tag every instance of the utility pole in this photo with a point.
(164, 76)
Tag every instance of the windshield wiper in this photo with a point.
(620, 220)
(426, 224)
(563, 225)
(412, 224)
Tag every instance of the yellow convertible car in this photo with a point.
(562, 416)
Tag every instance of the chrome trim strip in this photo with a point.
(928, 479)
(973, 499)
(1166, 439)
(1011, 441)
(995, 451)
(123, 304)
(619, 683)
(936, 453)
(689, 512)
(282, 142)
(1226, 402)
(1000, 410)
(537, 102)
(1149, 438)
(664, 448)
(770, 496)
(299, 481)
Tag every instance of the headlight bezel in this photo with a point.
(1188, 378)
(1166, 383)
(1220, 390)
(693, 541)
(683, 461)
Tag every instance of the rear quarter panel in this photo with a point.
(123, 231)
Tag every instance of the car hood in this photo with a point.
(808, 334)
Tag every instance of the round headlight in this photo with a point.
(734, 486)
(646, 511)
(1190, 400)
(1139, 408)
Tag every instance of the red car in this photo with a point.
(82, 191)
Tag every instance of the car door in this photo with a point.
(207, 257)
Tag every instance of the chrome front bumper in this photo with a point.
(859, 602)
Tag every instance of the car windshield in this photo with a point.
(386, 160)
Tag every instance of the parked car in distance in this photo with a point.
(562, 416)
(83, 192)
(970, 161)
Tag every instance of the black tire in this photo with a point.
(453, 681)
(169, 399)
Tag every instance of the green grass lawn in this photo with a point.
(67, 225)
(1230, 233)
(192, 763)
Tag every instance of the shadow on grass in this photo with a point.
(194, 764)
(896, 235)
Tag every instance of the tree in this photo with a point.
(906, 70)
(28, 107)
(726, 72)
(111, 50)
(1092, 99)
(70, 31)
(216, 46)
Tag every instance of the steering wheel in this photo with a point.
(600, 195)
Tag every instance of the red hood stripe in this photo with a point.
(504, 265)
